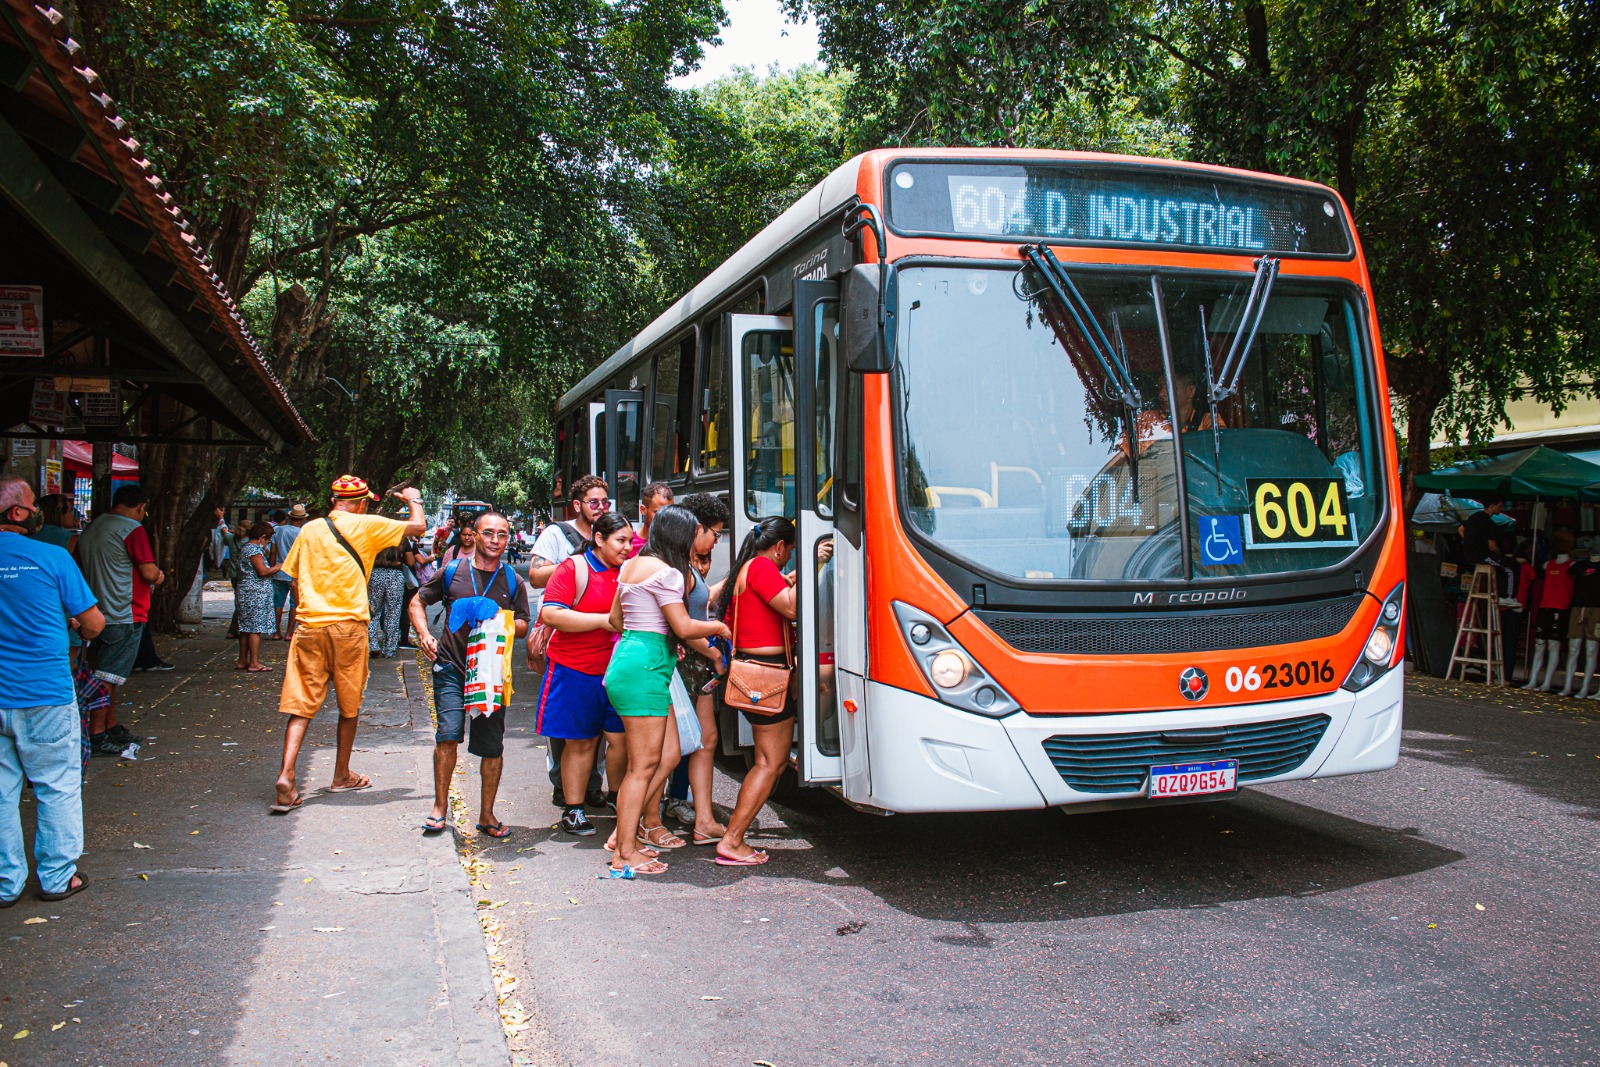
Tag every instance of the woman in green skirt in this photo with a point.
(649, 604)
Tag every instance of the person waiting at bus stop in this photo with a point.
(330, 562)
(758, 602)
(573, 708)
(482, 574)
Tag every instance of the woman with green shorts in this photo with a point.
(648, 606)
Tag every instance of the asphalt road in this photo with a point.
(1440, 913)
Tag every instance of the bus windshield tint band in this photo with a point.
(1103, 204)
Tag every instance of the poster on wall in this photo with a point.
(50, 477)
(49, 408)
(102, 409)
(22, 320)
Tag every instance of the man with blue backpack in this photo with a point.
(468, 594)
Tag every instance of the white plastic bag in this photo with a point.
(689, 739)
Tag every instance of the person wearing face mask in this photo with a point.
(120, 566)
(45, 595)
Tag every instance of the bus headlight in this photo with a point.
(956, 677)
(948, 669)
(1378, 655)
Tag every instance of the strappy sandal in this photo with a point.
(628, 870)
(611, 846)
(661, 837)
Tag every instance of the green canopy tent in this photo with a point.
(1532, 473)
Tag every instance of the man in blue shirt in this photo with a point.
(42, 594)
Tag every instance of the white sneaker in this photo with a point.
(681, 810)
(1511, 603)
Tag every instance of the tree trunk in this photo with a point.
(1419, 438)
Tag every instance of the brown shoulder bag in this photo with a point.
(753, 686)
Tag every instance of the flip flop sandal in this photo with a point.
(284, 809)
(698, 838)
(70, 891)
(642, 848)
(497, 831)
(629, 871)
(755, 859)
(362, 784)
(431, 825)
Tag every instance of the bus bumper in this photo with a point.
(926, 757)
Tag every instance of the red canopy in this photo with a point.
(79, 454)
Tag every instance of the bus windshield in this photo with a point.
(1021, 456)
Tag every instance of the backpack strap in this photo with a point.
(449, 577)
(574, 538)
(347, 546)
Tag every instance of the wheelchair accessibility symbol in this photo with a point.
(1221, 540)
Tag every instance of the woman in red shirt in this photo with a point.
(758, 604)
(572, 701)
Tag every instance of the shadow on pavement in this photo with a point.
(1044, 866)
(1507, 734)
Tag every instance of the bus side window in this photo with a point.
(712, 439)
(669, 458)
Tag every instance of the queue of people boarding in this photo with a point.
(613, 618)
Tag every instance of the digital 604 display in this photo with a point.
(1109, 204)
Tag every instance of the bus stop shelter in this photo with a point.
(113, 324)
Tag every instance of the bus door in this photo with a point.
(816, 372)
(761, 461)
(624, 445)
(597, 440)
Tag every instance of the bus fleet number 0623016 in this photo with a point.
(1285, 675)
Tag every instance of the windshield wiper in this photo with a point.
(1226, 383)
(1111, 361)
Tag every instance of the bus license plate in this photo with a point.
(1194, 779)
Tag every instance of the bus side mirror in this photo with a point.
(867, 299)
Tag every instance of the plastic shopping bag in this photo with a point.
(487, 686)
(689, 739)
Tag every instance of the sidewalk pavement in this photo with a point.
(215, 933)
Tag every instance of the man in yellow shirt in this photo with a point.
(330, 563)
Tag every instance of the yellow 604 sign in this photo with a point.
(1298, 513)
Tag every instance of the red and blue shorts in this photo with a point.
(574, 705)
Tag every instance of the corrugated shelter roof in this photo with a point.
(77, 123)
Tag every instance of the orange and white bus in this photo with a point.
(1101, 448)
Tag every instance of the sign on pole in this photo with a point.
(22, 320)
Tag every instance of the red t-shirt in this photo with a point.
(760, 626)
(588, 652)
(138, 545)
(1557, 592)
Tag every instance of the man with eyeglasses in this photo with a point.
(591, 498)
(482, 574)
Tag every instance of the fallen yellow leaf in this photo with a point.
(1478, 906)
(1433, 926)
(144, 878)
(193, 832)
(35, 921)
(572, 900)
(19, 1035)
(58, 1026)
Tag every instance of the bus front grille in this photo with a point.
(1119, 763)
(1213, 631)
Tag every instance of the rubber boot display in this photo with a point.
(1574, 646)
(1533, 669)
(1552, 654)
(1592, 654)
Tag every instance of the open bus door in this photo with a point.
(624, 450)
(816, 372)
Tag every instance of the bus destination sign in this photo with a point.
(1109, 204)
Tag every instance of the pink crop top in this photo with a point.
(642, 601)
